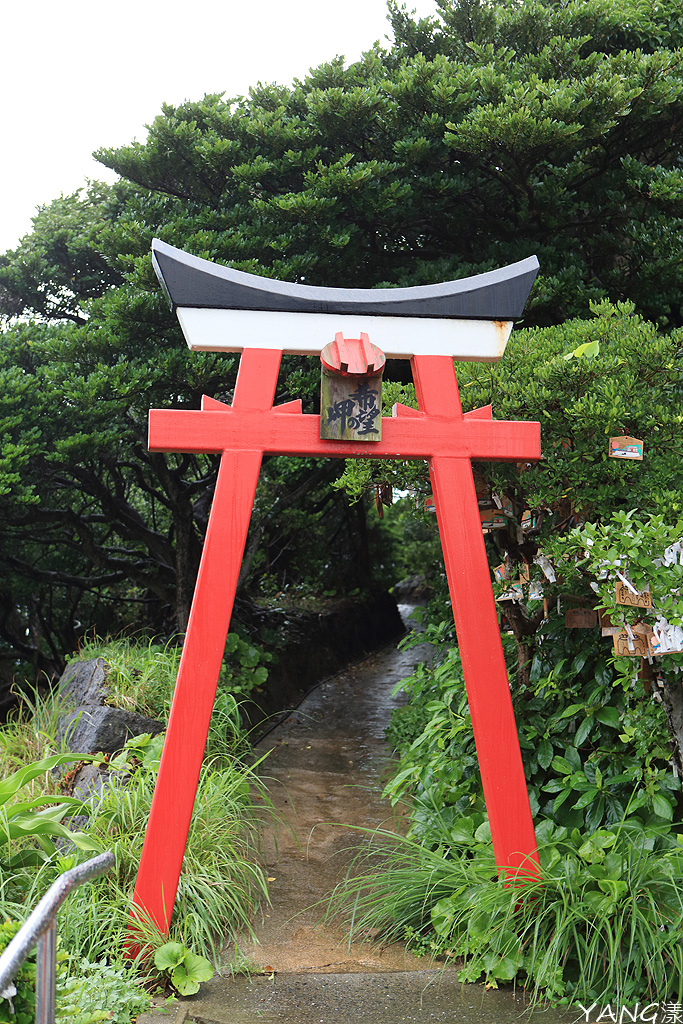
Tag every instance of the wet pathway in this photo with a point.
(325, 770)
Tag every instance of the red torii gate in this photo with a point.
(241, 434)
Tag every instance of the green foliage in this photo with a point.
(141, 674)
(646, 553)
(508, 129)
(185, 970)
(602, 922)
(438, 769)
(96, 992)
(20, 1006)
(29, 827)
(244, 666)
(594, 752)
(141, 677)
(101, 991)
(221, 883)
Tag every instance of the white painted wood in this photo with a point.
(231, 330)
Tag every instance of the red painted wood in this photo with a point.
(484, 412)
(478, 631)
(486, 678)
(352, 356)
(195, 690)
(242, 433)
(403, 436)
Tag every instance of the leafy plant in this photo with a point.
(244, 666)
(100, 991)
(19, 1004)
(28, 827)
(184, 969)
(603, 922)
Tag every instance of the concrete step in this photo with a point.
(406, 997)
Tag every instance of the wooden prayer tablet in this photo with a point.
(492, 519)
(638, 647)
(351, 390)
(626, 447)
(626, 597)
(580, 618)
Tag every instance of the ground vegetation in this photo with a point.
(222, 883)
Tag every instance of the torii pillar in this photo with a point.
(222, 309)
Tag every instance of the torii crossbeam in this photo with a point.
(252, 427)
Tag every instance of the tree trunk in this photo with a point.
(672, 699)
(524, 631)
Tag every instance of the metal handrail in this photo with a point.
(40, 928)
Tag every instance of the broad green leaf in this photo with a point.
(11, 785)
(609, 716)
(613, 887)
(561, 764)
(184, 982)
(169, 956)
(198, 967)
(583, 730)
(545, 753)
(662, 807)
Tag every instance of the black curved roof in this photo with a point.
(192, 282)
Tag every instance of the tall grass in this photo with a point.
(141, 675)
(603, 922)
(221, 883)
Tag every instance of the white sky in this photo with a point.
(78, 75)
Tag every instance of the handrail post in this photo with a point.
(46, 962)
(40, 928)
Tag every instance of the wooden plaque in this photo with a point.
(631, 600)
(351, 390)
(626, 447)
(580, 618)
(639, 646)
(351, 409)
(492, 519)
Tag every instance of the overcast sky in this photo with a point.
(77, 75)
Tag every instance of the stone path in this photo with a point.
(325, 770)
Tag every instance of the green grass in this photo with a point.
(141, 675)
(603, 923)
(222, 883)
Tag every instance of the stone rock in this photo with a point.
(89, 782)
(413, 590)
(90, 729)
(83, 682)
